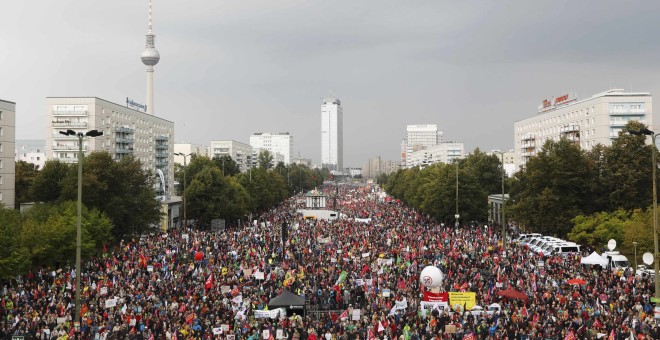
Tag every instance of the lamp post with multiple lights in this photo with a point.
(80, 135)
(185, 166)
(656, 265)
(502, 212)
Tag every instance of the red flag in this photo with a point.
(143, 260)
(344, 314)
(597, 324)
(469, 336)
(570, 336)
(612, 336)
(209, 282)
(370, 334)
(191, 317)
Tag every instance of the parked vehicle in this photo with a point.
(615, 261)
(644, 271)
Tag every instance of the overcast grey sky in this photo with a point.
(232, 68)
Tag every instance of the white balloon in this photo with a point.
(431, 277)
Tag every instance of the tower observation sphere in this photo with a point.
(150, 56)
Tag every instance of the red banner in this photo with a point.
(436, 297)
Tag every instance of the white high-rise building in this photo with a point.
(31, 151)
(150, 58)
(125, 131)
(586, 122)
(332, 134)
(7, 164)
(419, 137)
(275, 143)
(240, 153)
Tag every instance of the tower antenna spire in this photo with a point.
(150, 30)
(150, 57)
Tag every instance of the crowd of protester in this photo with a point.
(188, 283)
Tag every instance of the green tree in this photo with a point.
(265, 159)
(227, 165)
(49, 232)
(47, 186)
(555, 187)
(596, 229)
(26, 173)
(122, 190)
(13, 258)
(627, 170)
(212, 195)
(639, 228)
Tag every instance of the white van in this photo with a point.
(615, 261)
(564, 248)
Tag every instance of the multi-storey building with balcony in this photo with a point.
(125, 132)
(7, 165)
(445, 152)
(587, 122)
(241, 153)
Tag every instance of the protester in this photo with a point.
(188, 283)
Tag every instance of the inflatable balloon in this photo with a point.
(199, 256)
(431, 277)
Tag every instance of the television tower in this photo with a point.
(150, 57)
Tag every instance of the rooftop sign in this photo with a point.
(554, 102)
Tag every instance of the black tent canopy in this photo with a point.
(288, 301)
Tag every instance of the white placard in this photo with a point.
(365, 254)
(333, 260)
(103, 290)
(132, 322)
(110, 303)
(356, 315)
(225, 289)
(185, 237)
(259, 275)
(265, 334)
(386, 293)
(225, 328)
(279, 334)
(150, 268)
(217, 330)
(61, 320)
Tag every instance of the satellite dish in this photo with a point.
(647, 258)
(611, 244)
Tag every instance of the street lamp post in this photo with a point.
(635, 245)
(80, 135)
(656, 265)
(185, 166)
(502, 212)
(456, 215)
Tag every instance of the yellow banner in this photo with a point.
(462, 301)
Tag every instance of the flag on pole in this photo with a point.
(344, 314)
